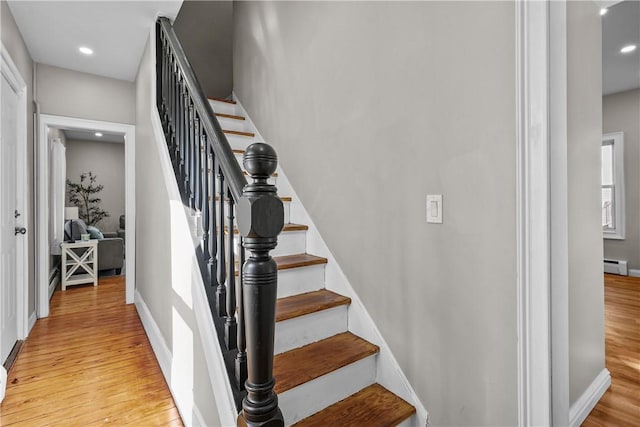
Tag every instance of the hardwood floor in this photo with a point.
(88, 363)
(620, 405)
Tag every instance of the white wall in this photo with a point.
(372, 106)
(163, 270)
(205, 30)
(106, 161)
(621, 113)
(70, 93)
(584, 105)
(15, 45)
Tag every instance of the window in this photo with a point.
(613, 186)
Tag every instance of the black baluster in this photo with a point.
(180, 134)
(241, 356)
(260, 282)
(205, 201)
(213, 229)
(184, 165)
(230, 324)
(221, 290)
(188, 151)
(167, 82)
(160, 50)
(171, 137)
(197, 168)
(174, 117)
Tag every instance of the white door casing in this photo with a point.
(542, 234)
(13, 209)
(45, 122)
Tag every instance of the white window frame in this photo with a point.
(616, 139)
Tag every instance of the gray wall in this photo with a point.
(399, 100)
(12, 40)
(584, 103)
(70, 93)
(205, 29)
(159, 280)
(621, 113)
(106, 161)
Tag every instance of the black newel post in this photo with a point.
(260, 217)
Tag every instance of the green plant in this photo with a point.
(84, 196)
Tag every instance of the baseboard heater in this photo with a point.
(616, 266)
(54, 278)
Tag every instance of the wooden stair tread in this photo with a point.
(310, 302)
(373, 406)
(239, 133)
(228, 101)
(312, 361)
(286, 262)
(287, 227)
(298, 260)
(230, 116)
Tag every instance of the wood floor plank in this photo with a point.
(88, 363)
(620, 405)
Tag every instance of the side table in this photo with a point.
(79, 263)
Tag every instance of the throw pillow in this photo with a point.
(78, 228)
(94, 233)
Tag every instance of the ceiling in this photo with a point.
(620, 27)
(117, 31)
(83, 135)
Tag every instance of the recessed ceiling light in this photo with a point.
(98, 134)
(85, 50)
(603, 11)
(628, 49)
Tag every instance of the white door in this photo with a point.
(8, 215)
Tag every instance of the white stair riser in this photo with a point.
(303, 330)
(313, 396)
(287, 214)
(223, 107)
(290, 243)
(233, 124)
(239, 142)
(294, 281)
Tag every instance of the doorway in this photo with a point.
(50, 123)
(13, 207)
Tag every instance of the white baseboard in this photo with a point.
(582, 407)
(3, 382)
(158, 344)
(32, 322)
(634, 273)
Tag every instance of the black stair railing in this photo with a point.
(211, 184)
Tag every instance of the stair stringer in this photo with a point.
(218, 377)
(388, 372)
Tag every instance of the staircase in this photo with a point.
(325, 375)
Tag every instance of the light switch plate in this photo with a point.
(434, 208)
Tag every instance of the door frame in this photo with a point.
(10, 71)
(543, 220)
(42, 197)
